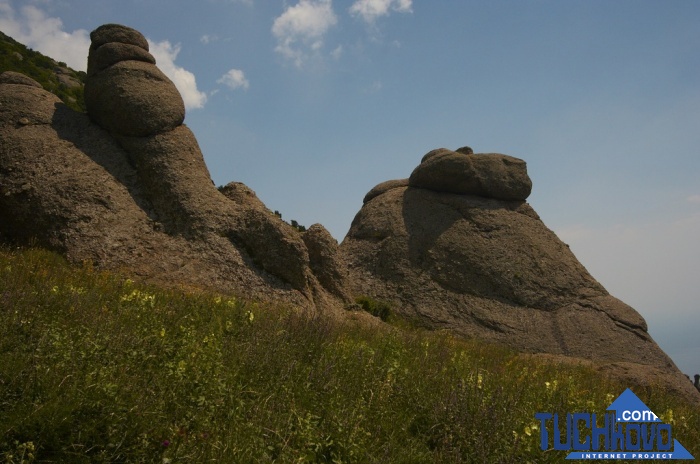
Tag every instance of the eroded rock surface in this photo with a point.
(458, 248)
(126, 185)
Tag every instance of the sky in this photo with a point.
(313, 102)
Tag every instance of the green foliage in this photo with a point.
(379, 309)
(16, 57)
(298, 226)
(97, 368)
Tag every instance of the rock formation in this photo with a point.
(457, 247)
(127, 186)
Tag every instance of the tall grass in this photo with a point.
(97, 368)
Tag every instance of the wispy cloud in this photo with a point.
(301, 29)
(234, 79)
(35, 29)
(165, 54)
(370, 10)
(694, 199)
(206, 39)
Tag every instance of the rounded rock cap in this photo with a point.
(490, 175)
(11, 77)
(117, 33)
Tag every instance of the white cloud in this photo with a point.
(234, 79)
(370, 10)
(165, 54)
(36, 30)
(337, 52)
(694, 199)
(303, 26)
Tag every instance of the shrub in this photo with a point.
(379, 309)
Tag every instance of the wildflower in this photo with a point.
(669, 417)
(251, 316)
(166, 443)
(162, 332)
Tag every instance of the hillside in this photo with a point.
(95, 367)
(67, 84)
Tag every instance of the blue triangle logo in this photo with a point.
(679, 452)
(629, 408)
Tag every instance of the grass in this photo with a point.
(97, 368)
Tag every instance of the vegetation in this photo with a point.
(16, 57)
(97, 368)
(379, 309)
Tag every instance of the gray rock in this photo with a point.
(325, 260)
(465, 150)
(384, 187)
(11, 77)
(436, 151)
(134, 98)
(117, 33)
(114, 52)
(488, 175)
(25, 104)
(490, 269)
(138, 195)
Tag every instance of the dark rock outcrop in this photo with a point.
(126, 186)
(460, 249)
(326, 261)
(489, 175)
(125, 92)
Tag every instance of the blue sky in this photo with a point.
(313, 102)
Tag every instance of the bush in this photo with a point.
(376, 308)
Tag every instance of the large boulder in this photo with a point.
(326, 261)
(126, 186)
(125, 92)
(487, 267)
(462, 172)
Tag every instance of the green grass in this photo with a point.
(97, 368)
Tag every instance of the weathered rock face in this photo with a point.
(131, 189)
(479, 261)
(490, 175)
(125, 92)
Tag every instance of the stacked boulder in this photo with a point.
(462, 172)
(125, 92)
(126, 186)
(457, 247)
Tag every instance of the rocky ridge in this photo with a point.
(126, 186)
(455, 246)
